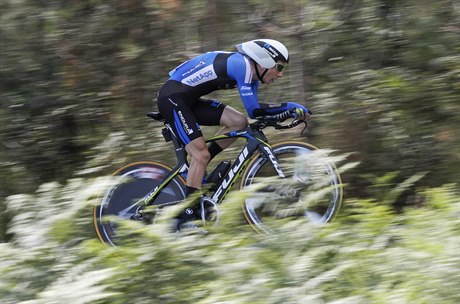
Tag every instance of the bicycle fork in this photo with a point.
(269, 155)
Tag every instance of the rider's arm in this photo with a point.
(272, 108)
(239, 68)
(300, 112)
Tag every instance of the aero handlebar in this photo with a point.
(274, 120)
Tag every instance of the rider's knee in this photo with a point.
(200, 153)
(233, 119)
(239, 121)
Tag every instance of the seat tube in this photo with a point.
(149, 197)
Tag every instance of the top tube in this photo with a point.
(231, 134)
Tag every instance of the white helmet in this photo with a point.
(266, 52)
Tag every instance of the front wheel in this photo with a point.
(124, 198)
(311, 189)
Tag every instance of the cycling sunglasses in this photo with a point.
(279, 67)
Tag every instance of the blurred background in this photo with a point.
(382, 78)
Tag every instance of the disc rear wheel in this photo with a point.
(124, 198)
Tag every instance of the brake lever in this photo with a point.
(305, 128)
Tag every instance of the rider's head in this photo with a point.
(267, 53)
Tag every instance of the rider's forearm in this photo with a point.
(270, 108)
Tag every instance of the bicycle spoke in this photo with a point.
(311, 189)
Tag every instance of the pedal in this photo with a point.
(209, 211)
(206, 211)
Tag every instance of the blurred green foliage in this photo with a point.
(370, 254)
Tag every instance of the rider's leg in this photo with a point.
(231, 120)
(214, 113)
(200, 157)
(182, 119)
(199, 154)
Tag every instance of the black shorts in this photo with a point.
(185, 113)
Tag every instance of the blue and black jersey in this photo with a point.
(219, 71)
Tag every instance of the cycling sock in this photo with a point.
(189, 190)
(214, 149)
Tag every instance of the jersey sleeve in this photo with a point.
(239, 69)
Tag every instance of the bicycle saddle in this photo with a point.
(155, 115)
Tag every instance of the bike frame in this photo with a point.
(256, 141)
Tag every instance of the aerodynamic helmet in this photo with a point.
(266, 52)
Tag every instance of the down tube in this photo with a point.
(233, 174)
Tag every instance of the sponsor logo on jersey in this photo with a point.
(194, 68)
(246, 88)
(204, 75)
(184, 123)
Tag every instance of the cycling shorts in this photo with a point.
(185, 112)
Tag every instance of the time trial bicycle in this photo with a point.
(283, 176)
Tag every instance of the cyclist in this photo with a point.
(181, 104)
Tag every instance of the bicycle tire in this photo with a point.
(133, 182)
(264, 217)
